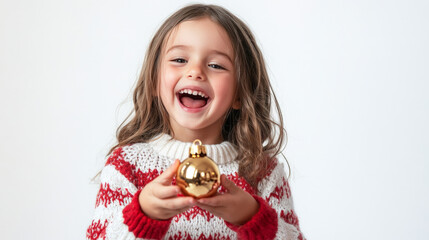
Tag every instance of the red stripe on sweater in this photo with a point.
(290, 217)
(96, 230)
(134, 175)
(144, 178)
(115, 155)
(187, 236)
(192, 213)
(127, 169)
(106, 195)
(280, 191)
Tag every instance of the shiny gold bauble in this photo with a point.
(198, 176)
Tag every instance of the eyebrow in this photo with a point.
(186, 47)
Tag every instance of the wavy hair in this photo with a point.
(251, 128)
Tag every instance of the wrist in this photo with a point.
(143, 203)
(263, 223)
(253, 210)
(140, 224)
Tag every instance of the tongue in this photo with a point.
(193, 103)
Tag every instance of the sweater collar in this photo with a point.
(221, 153)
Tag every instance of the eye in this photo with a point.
(179, 60)
(216, 66)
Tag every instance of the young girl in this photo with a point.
(203, 78)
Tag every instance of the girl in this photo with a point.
(203, 77)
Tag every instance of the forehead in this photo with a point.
(199, 34)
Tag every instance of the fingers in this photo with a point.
(167, 213)
(213, 205)
(178, 204)
(216, 201)
(168, 208)
(163, 192)
(220, 199)
(228, 184)
(167, 175)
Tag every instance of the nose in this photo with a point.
(195, 72)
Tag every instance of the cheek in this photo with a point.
(168, 81)
(225, 88)
(171, 76)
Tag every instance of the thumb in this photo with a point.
(227, 184)
(168, 174)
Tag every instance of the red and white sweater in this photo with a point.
(128, 169)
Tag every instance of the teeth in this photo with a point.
(192, 92)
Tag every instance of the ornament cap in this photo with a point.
(197, 149)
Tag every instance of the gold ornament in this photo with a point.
(198, 176)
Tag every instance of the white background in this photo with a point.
(351, 76)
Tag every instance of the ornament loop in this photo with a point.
(197, 141)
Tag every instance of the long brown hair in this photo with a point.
(251, 128)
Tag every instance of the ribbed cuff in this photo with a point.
(141, 225)
(263, 225)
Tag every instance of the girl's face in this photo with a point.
(197, 80)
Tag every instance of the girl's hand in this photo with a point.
(236, 206)
(159, 199)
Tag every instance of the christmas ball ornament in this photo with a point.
(198, 176)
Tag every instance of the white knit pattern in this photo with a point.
(222, 153)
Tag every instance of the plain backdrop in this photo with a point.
(351, 77)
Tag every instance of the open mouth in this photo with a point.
(192, 98)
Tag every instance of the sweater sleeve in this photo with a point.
(117, 210)
(276, 218)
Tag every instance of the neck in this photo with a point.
(206, 137)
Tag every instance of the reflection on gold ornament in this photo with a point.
(198, 176)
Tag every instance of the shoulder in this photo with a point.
(142, 156)
(275, 175)
(127, 153)
(134, 163)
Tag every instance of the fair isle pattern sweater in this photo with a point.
(128, 169)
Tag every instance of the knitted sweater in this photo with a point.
(128, 169)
